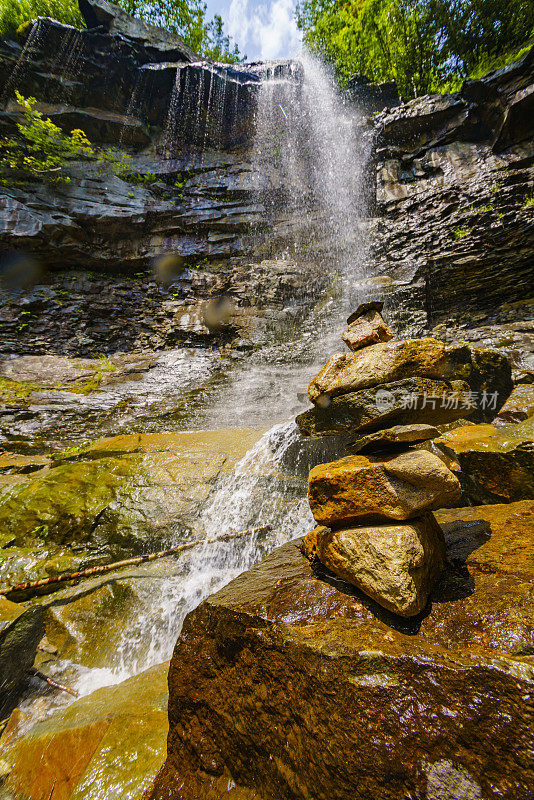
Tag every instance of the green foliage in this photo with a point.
(42, 150)
(15, 13)
(461, 233)
(425, 45)
(187, 18)
(528, 202)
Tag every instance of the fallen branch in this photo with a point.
(30, 588)
(53, 683)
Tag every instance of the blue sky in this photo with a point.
(262, 28)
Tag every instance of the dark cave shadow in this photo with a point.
(456, 582)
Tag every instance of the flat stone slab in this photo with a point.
(292, 662)
(390, 438)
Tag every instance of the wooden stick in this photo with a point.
(53, 683)
(128, 562)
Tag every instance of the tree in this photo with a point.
(422, 44)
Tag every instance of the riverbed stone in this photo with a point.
(285, 655)
(368, 329)
(385, 362)
(108, 744)
(360, 489)
(396, 565)
(494, 464)
(519, 406)
(411, 401)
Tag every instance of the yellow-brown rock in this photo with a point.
(359, 489)
(349, 701)
(368, 329)
(395, 564)
(386, 362)
(496, 463)
(487, 372)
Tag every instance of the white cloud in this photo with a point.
(264, 29)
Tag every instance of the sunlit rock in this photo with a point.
(496, 463)
(359, 489)
(285, 659)
(396, 565)
(488, 373)
(368, 329)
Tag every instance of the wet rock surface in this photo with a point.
(97, 747)
(496, 463)
(396, 565)
(360, 489)
(112, 499)
(455, 236)
(312, 651)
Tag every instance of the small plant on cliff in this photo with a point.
(42, 150)
(528, 202)
(461, 233)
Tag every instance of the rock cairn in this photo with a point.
(374, 506)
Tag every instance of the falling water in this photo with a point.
(311, 167)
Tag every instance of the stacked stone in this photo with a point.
(374, 506)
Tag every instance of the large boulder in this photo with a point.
(488, 373)
(495, 464)
(288, 684)
(396, 565)
(360, 489)
(406, 402)
(109, 744)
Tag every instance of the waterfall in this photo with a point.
(310, 157)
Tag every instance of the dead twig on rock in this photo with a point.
(52, 682)
(22, 591)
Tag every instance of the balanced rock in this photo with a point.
(486, 372)
(361, 489)
(367, 329)
(392, 438)
(363, 308)
(411, 401)
(395, 564)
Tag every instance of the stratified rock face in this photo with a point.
(497, 464)
(100, 13)
(360, 489)
(396, 565)
(368, 329)
(414, 400)
(453, 174)
(288, 684)
(425, 358)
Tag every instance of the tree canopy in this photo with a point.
(424, 45)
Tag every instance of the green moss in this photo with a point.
(16, 391)
(461, 233)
